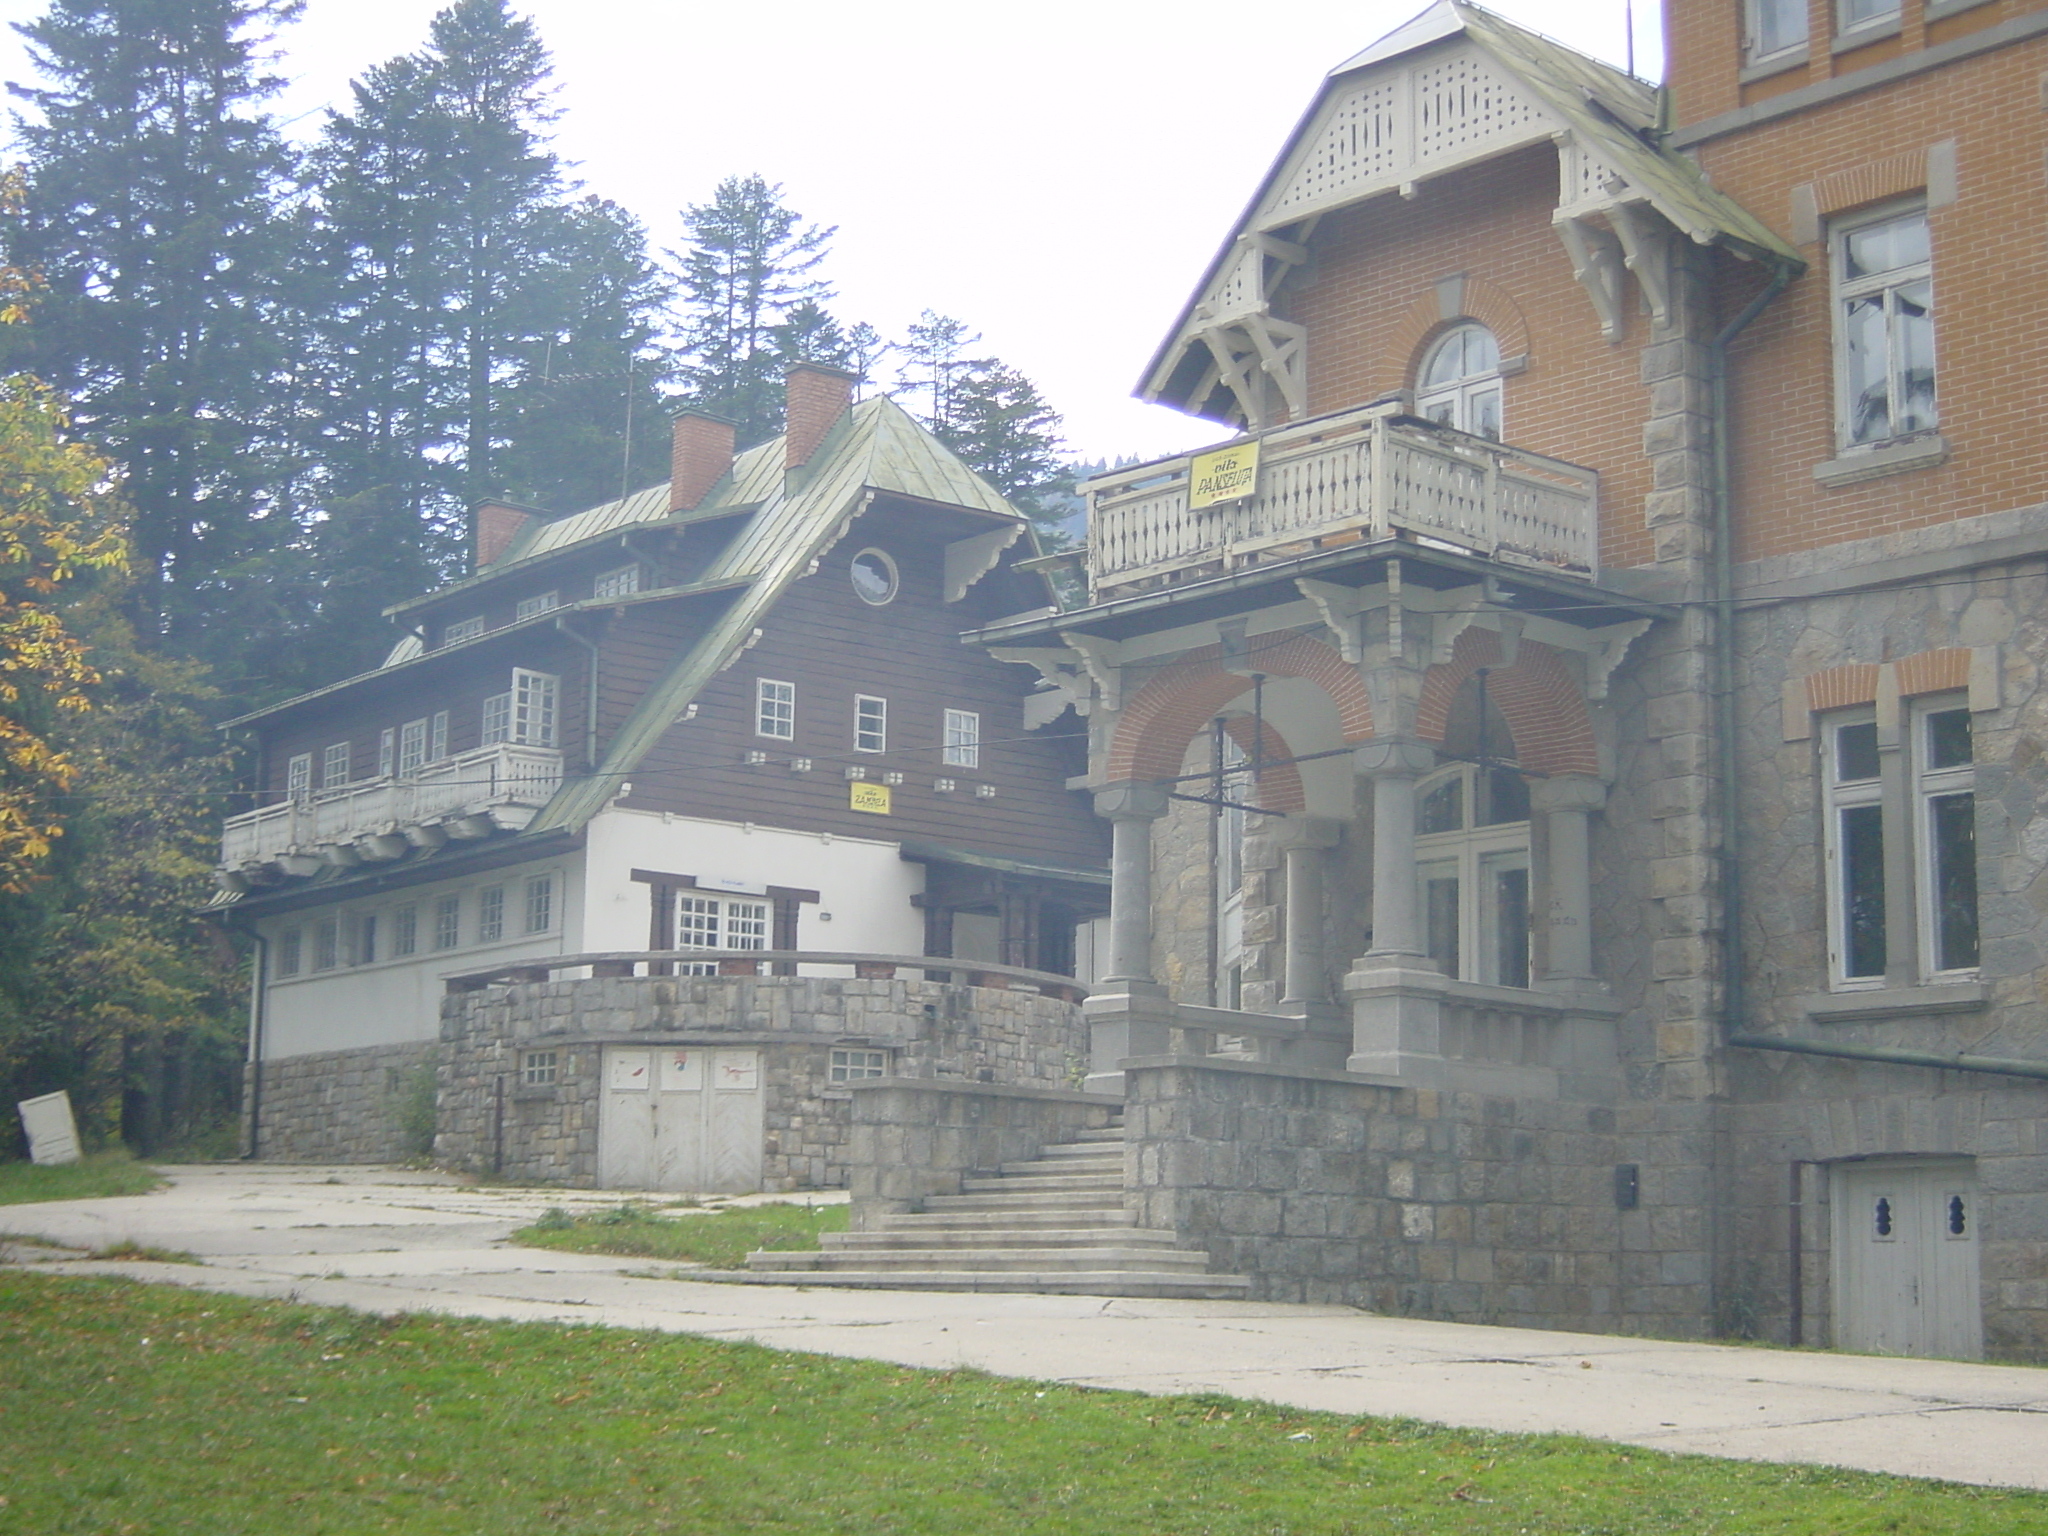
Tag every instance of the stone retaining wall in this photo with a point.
(373, 1105)
(490, 1121)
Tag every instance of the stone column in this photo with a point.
(1568, 802)
(1302, 843)
(1129, 1015)
(1131, 808)
(1394, 764)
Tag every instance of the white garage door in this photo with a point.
(1905, 1270)
(689, 1120)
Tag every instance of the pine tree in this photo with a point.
(934, 356)
(748, 269)
(153, 219)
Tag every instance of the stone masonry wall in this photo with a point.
(1413, 1202)
(363, 1106)
(932, 1030)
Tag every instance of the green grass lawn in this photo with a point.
(150, 1410)
(721, 1239)
(101, 1174)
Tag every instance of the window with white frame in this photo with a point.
(1884, 327)
(1853, 837)
(524, 714)
(540, 1069)
(1472, 866)
(774, 709)
(366, 939)
(405, 931)
(1945, 835)
(962, 747)
(497, 719)
(490, 914)
(387, 752)
(327, 944)
(1458, 384)
(533, 607)
(288, 952)
(437, 737)
(870, 723)
(623, 582)
(540, 903)
(853, 1066)
(462, 629)
(448, 922)
(298, 776)
(1775, 27)
(719, 922)
(334, 766)
(412, 747)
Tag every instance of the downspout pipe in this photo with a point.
(1734, 999)
(589, 693)
(2003, 1066)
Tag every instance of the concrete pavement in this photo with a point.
(387, 1240)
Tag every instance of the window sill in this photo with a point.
(1862, 464)
(1776, 64)
(1940, 10)
(1896, 1002)
(1863, 37)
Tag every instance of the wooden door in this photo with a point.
(1905, 1272)
(681, 1119)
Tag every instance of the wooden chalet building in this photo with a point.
(731, 712)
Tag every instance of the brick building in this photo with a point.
(1573, 756)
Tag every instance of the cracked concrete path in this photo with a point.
(387, 1240)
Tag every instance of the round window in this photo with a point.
(874, 576)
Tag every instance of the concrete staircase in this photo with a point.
(1054, 1224)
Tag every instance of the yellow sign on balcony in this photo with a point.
(1225, 474)
(872, 798)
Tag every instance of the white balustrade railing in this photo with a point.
(503, 774)
(1362, 474)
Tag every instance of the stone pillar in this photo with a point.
(1568, 802)
(1396, 997)
(1302, 843)
(1130, 1014)
(1394, 764)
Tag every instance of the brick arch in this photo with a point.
(1541, 703)
(1277, 789)
(1486, 302)
(1155, 727)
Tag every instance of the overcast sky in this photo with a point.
(1057, 175)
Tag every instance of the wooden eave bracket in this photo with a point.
(1057, 666)
(1339, 607)
(1598, 262)
(1101, 661)
(1646, 249)
(970, 559)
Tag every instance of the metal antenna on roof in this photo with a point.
(1628, 27)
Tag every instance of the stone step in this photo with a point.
(1029, 1200)
(1088, 1258)
(1110, 1167)
(978, 1220)
(1158, 1283)
(1040, 1184)
(1111, 1144)
(1007, 1236)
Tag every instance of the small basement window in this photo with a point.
(540, 1069)
(849, 1066)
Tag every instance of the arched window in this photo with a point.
(1472, 864)
(1459, 382)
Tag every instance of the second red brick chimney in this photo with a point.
(815, 396)
(493, 527)
(700, 455)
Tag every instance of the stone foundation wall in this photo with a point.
(913, 1140)
(1412, 1202)
(372, 1105)
(490, 1121)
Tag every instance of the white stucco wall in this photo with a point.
(396, 999)
(864, 886)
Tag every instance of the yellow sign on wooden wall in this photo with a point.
(1225, 474)
(872, 798)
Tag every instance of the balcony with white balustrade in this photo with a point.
(493, 789)
(1357, 476)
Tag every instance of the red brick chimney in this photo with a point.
(700, 455)
(494, 525)
(814, 398)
